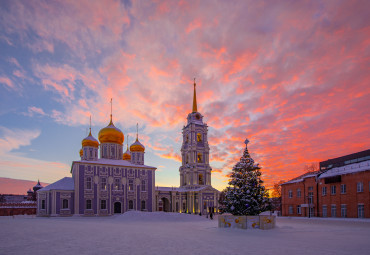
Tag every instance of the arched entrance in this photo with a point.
(166, 204)
(117, 207)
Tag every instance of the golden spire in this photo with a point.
(111, 110)
(137, 131)
(127, 142)
(90, 126)
(195, 99)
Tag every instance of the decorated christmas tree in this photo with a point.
(246, 194)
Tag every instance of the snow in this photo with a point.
(113, 162)
(173, 233)
(65, 183)
(348, 169)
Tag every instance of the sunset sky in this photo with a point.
(291, 76)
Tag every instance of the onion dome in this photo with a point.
(137, 146)
(29, 191)
(90, 141)
(37, 186)
(126, 155)
(111, 134)
(81, 152)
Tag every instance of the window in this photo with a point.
(310, 188)
(360, 187)
(199, 158)
(103, 183)
(88, 183)
(103, 204)
(65, 204)
(199, 137)
(298, 192)
(143, 185)
(323, 191)
(200, 181)
(343, 189)
(143, 205)
(130, 205)
(299, 209)
(43, 204)
(187, 138)
(361, 211)
(333, 211)
(290, 194)
(343, 211)
(117, 184)
(324, 211)
(131, 185)
(290, 209)
(333, 189)
(88, 204)
(310, 197)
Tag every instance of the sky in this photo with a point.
(291, 76)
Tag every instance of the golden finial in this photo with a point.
(127, 142)
(111, 111)
(90, 126)
(137, 131)
(195, 109)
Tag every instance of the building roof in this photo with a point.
(348, 169)
(166, 189)
(301, 177)
(66, 183)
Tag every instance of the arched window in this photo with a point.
(117, 183)
(130, 205)
(199, 158)
(88, 183)
(65, 204)
(199, 137)
(105, 152)
(130, 185)
(143, 205)
(200, 179)
(187, 138)
(103, 183)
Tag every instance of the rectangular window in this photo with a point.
(361, 211)
(298, 192)
(103, 183)
(103, 204)
(88, 183)
(65, 204)
(88, 204)
(323, 191)
(131, 185)
(290, 194)
(299, 209)
(143, 185)
(324, 211)
(43, 204)
(310, 188)
(333, 211)
(143, 205)
(360, 187)
(343, 211)
(333, 189)
(117, 184)
(310, 197)
(343, 189)
(290, 209)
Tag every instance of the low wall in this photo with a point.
(247, 222)
(10, 209)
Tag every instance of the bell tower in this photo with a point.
(195, 170)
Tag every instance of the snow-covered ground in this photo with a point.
(172, 233)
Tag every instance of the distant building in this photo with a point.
(195, 194)
(341, 188)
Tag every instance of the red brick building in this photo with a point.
(341, 188)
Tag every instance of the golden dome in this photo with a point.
(90, 141)
(126, 155)
(81, 153)
(111, 134)
(137, 146)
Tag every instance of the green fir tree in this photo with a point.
(246, 194)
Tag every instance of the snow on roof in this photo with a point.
(301, 177)
(348, 169)
(66, 183)
(113, 162)
(181, 189)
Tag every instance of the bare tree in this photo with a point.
(313, 167)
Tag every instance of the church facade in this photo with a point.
(113, 182)
(195, 193)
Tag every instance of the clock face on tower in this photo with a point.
(197, 116)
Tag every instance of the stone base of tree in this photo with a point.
(247, 222)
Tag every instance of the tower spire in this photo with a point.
(111, 110)
(137, 131)
(90, 126)
(127, 142)
(195, 99)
